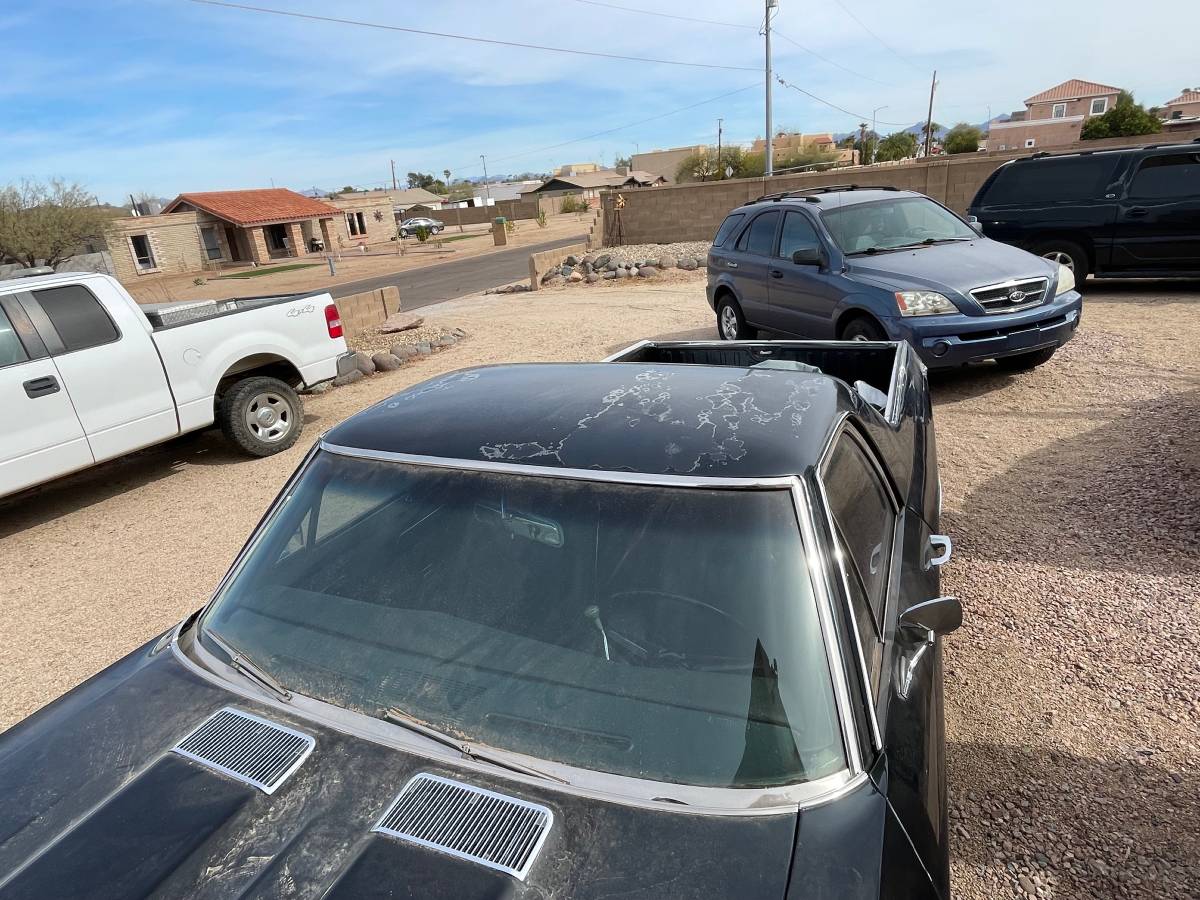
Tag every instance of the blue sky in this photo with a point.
(165, 96)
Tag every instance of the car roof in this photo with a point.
(830, 198)
(651, 419)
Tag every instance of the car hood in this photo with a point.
(96, 803)
(957, 267)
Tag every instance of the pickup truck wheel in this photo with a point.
(1024, 361)
(860, 328)
(261, 415)
(1067, 254)
(731, 324)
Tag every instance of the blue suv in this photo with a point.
(875, 264)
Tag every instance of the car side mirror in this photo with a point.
(807, 256)
(940, 615)
(976, 225)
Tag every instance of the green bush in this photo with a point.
(1125, 119)
(422, 233)
(541, 219)
(572, 204)
(962, 138)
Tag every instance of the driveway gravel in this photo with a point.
(1072, 493)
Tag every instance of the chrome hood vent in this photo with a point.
(247, 748)
(468, 822)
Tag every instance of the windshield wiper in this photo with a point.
(470, 751)
(871, 251)
(242, 663)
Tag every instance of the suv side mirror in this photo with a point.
(940, 615)
(807, 256)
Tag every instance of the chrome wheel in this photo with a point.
(1063, 259)
(269, 417)
(729, 323)
(860, 337)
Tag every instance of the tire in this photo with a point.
(860, 328)
(262, 416)
(1066, 253)
(1022, 362)
(731, 324)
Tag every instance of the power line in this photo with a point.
(662, 15)
(825, 59)
(858, 116)
(463, 37)
(882, 42)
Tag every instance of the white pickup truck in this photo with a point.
(86, 374)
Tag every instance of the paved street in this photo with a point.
(444, 281)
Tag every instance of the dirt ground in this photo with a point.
(1072, 494)
(352, 265)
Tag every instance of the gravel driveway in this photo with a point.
(1072, 492)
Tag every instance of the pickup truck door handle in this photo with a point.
(41, 387)
(731, 265)
(776, 273)
(1136, 212)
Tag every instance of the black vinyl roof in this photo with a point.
(652, 419)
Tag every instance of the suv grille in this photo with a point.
(1011, 295)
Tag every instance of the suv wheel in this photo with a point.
(861, 328)
(731, 324)
(1066, 254)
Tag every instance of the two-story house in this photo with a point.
(1184, 109)
(1054, 117)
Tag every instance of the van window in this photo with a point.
(1050, 180)
(1162, 177)
(759, 238)
(728, 227)
(77, 316)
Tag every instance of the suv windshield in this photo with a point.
(662, 633)
(888, 224)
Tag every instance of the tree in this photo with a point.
(962, 138)
(929, 132)
(621, 161)
(41, 224)
(898, 145)
(706, 166)
(1126, 118)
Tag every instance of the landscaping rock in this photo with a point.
(587, 267)
(400, 322)
(571, 260)
(462, 332)
(601, 261)
(363, 363)
(349, 378)
(647, 272)
(323, 388)
(386, 362)
(403, 352)
(551, 274)
(446, 340)
(607, 276)
(592, 278)
(424, 348)
(565, 271)
(611, 266)
(688, 264)
(667, 262)
(556, 278)
(576, 276)
(625, 273)
(590, 259)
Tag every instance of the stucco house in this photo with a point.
(588, 186)
(1181, 109)
(1053, 118)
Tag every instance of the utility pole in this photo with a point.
(875, 132)
(720, 166)
(929, 119)
(862, 141)
(487, 188)
(769, 168)
(393, 162)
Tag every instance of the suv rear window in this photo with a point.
(1050, 180)
(728, 227)
(1163, 177)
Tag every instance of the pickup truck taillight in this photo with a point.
(333, 320)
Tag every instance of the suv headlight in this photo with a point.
(924, 303)
(1066, 280)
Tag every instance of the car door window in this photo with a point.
(728, 227)
(11, 349)
(759, 238)
(797, 234)
(77, 316)
(1165, 177)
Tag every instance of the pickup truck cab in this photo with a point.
(87, 375)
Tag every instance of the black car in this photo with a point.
(1127, 213)
(660, 627)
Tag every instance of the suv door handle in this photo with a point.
(41, 387)
(1137, 211)
(731, 265)
(776, 273)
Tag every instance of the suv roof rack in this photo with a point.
(808, 193)
(1044, 154)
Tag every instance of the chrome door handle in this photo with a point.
(731, 265)
(945, 548)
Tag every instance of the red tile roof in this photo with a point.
(1072, 90)
(256, 207)
(1185, 97)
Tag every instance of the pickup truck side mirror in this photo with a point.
(807, 256)
(940, 615)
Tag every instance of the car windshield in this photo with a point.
(665, 633)
(888, 224)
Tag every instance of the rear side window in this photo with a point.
(77, 316)
(11, 350)
(1050, 181)
(798, 234)
(728, 227)
(1163, 177)
(759, 238)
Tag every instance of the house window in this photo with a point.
(1059, 111)
(1030, 142)
(362, 223)
(212, 245)
(142, 252)
(1099, 106)
(356, 223)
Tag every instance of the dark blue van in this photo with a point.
(875, 264)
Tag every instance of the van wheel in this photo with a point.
(860, 328)
(731, 324)
(1067, 254)
(1024, 361)
(261, 415)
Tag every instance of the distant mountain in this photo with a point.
(918, 129)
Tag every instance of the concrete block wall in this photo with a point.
(540, 262)
(174, 240)
(361, 312)
(477, 215)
